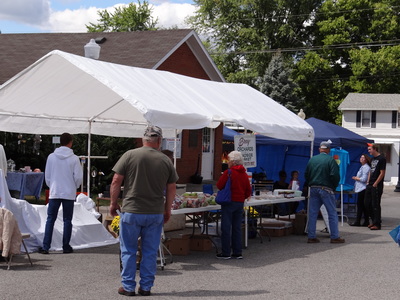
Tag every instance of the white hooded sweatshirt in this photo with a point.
(63, 173)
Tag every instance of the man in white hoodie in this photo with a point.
(63, 175)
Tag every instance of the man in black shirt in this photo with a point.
(374, 188)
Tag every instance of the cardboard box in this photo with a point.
(273, 232)
(176, 222)
(178, 246)
(273, 223)
(276, 228)
(200, 243)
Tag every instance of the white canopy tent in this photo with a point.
(65, 92)
(62, 92)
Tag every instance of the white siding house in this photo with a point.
(376, 116)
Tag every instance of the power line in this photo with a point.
(316, 48)
(316, 13)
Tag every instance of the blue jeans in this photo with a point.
(319, 196)
(231, 228)
(148, 227)
(52, 213)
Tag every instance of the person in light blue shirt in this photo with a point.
(359, 187)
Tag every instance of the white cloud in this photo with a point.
(31, 12)
(171, 14)
(71, 20)
(38, 13)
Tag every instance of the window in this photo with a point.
(386, 151)
(366, 118)
(398, 120)
(206, 139)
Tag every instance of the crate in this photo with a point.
(350, 210)
(178, 246)
(200, 243)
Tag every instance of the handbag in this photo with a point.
(224, 195)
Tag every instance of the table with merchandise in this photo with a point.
(201, 204)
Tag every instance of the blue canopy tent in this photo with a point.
(274, 155)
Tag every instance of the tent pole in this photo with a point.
(308, 190)
(176, 134)
(88, 164)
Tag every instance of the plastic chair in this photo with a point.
(208, 189)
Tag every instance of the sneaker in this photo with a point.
(375, 227)
(223, 256)
(68, 250)
(121, 291)
(237, 256)
(337, 241)
(43, 251)
(143, 292)
(313, 241)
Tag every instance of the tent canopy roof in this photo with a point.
(339, 136)
(65, 92)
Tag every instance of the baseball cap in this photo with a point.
(325, 145)
(153, 131)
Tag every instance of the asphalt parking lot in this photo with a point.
(365, 267)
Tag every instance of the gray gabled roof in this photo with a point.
(361, 101)
(144, 49)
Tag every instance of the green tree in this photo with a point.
(277, 84)
(375, 72)
(134, 17)
(340, 30)
(242, 33)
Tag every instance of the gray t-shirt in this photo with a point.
(146, 173)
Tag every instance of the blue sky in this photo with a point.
(30, 16)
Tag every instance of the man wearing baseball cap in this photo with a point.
(322, 175)
(146, 173)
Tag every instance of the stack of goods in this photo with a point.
(193, 200)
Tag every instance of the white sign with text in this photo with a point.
(246, 144)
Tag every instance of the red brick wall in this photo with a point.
(183, 62)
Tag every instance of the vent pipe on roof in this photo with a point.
(92, 50)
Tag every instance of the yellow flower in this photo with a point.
(115, 224)
(252, 213)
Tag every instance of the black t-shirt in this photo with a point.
(280, 186)
(377, 165)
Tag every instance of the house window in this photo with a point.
(193, 138)
(398, 119)
(386, 151)
(366, 118)
(206, 139)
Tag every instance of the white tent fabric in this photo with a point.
(64, 92)
(87, 231)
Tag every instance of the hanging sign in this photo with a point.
(246, 144)
(169, 144)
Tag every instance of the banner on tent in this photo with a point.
(246, 144)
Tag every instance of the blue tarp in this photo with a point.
(274, 155)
